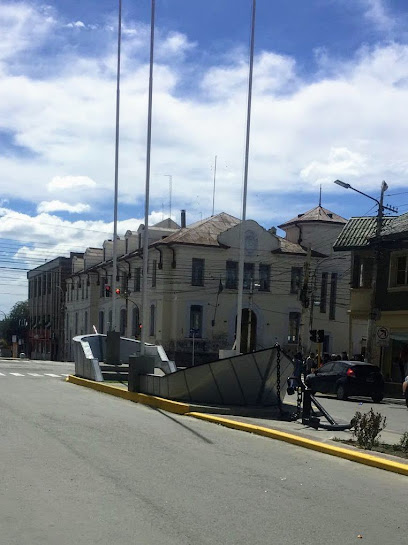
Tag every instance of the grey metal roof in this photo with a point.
(397, 228)
(316, 214)
(204, 232)
(359, 232)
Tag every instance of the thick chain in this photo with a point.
(278, 375)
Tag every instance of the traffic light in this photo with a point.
(107, 290)
(117, 291)
(313, 335)
(320, 335)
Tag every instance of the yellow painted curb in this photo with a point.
(360, 457)
(152, 401)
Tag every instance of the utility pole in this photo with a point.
(373, 311)
(372, 317)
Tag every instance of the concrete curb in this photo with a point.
(359, 457)
(151, 401)
(185, 409)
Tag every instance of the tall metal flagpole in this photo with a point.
(215, 176)
(147, 188)
(244, 198)
(115, 207)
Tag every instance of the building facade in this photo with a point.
(291, 285)
(389, 304)
(46, 296)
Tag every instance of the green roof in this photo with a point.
(359, 232)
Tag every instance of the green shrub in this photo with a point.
(403, 444)
(367, 427)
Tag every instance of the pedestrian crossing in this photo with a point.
(33, 375)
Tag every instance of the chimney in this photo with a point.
(183, 218)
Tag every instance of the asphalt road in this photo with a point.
(78, 466)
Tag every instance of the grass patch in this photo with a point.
(384, 448)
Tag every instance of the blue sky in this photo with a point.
(330, 94)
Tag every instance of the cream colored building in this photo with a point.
(291, 285)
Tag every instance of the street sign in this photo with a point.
(382, 336)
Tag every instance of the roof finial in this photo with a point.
(320, 196)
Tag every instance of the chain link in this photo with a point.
(278, 376)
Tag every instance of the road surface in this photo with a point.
(79, 466)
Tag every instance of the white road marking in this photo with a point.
(34, 375)
(65, 375)
(2, 375)
(17, 374)
(51, 375)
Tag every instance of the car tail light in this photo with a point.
(350, 372)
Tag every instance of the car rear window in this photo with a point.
(364, 370)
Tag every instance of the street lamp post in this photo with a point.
(372, 317)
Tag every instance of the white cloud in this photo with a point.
(340, 162)
(76, 24)
(59, 183)
(377, 13)
(58, 206)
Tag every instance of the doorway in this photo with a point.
(248, 331)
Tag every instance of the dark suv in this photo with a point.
(348, 378)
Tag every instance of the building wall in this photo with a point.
(173, 297)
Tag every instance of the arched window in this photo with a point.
(123, 322)
(101, 321)
(135, 322)
(152, 331)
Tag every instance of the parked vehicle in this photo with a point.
(348, 378)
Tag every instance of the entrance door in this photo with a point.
(248, 331)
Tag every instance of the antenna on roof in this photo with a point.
(215, 174)
(320, 196)
(170, 177)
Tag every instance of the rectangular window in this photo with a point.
(323, 292)
(86, 322)
(154, 273)
(82, 289)
(401, 277)
(232, 275)
(355, 277)
(294, 325)
(49, 277)
(296, 279)
(249, 274)
(197, 272)
(44, 284)
(366, 272)
(333, 296)
(152, 320)
(196, 321)
(264, 276)
(137, 279)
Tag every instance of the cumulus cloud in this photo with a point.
(76, 24)
(59, 183)
(376, 12)
(58, 206)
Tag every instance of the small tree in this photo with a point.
(367, 427)
(17, 321)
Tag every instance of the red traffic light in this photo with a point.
(117, 291)
(107, 288)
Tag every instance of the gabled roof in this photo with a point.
(168, 223)
(204, 232)
(397, 228)
(317, 214)
(359, 232)
(287, 247)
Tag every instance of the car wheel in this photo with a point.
(377, 398)
(341, 393)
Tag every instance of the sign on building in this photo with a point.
(382, 336)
